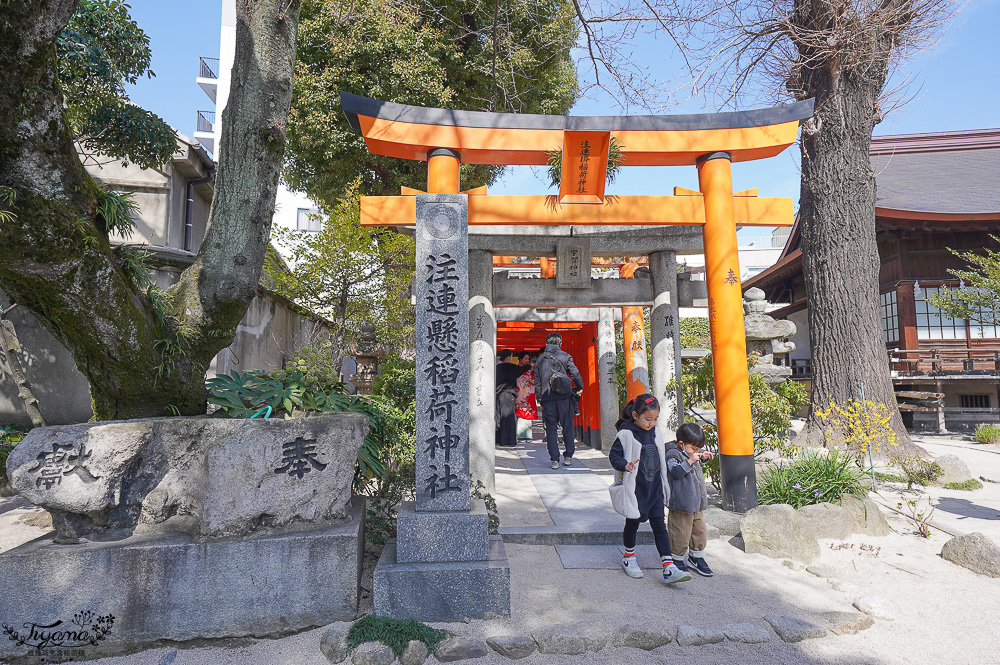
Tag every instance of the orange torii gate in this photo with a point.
(445, 138)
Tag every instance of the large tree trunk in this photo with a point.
(56, 262)
(837, 217)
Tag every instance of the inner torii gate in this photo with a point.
(710, 142)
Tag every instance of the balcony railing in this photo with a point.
(940, 362)
(802, 368)
(208, 68)
(206, 122)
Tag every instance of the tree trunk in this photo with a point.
(59, 265)
(840, 257)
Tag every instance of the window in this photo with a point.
(890, 317)
(984, 327)
(931, 322)
(308, 219)
(975, 401)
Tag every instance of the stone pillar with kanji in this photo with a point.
(444, 565)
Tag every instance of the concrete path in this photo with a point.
(577, 506)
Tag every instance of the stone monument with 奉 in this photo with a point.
(183, 528)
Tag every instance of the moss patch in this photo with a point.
(394, 633)
(967, 485)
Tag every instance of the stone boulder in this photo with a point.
(865, 516)
(514, 647)
(373, 653)
(790, 629)
(415, 653)
(953, 469)
(645, 636)
(975, 552)
(219, 476)
(696, 636)
(828, 520)
(726, 522)
(778, 531)
(876, 606)
(460, 648)
(333, 644)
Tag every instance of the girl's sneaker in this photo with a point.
(700, 565)
(632, 568)
(672, 573)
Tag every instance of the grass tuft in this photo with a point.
(967, 485)
(394, 633)
(810, 479)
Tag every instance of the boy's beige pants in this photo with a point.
(687, 530)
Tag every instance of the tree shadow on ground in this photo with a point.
(966, 508)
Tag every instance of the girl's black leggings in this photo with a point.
(659, 526)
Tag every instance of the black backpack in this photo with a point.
(559, 381)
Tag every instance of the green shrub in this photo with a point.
(288, 394)
(316, 364)
(967, 485)
(988, 434)
(812, 478)
(695, 332)
(917, 470)
(889, 477)
(9, 437)
(394, 633)
(479, 492)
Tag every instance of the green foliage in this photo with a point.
(988, 434)
(479, 492)
(99, 51)
(920, 517)
(695, 332)
(813, 478)
(9, 437)
(394, 633)
(396, 386)
(8, 196)
(351, 275)
(917, 470)
(980, 301)
(134, 266)
(966, 485)
(288, 395)
(771, 407)
(616, 159)
(316, 363)
(465, 54)
(114, 213)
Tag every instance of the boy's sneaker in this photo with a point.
(567, 461)
(555, 464)
(700, 565)
(681, 565)
(672, 573)
(632, 568)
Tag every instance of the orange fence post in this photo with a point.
(729, 352)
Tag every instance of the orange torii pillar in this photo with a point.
(729, 349)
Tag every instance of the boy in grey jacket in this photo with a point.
(688, 499)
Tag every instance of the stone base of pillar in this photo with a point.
(446, 592)
(442, 537)
(739, 482)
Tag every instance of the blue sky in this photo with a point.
(957, 86)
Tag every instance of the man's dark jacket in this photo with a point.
(543, 373)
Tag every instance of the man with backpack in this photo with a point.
(555, 374)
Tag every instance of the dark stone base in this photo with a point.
(442, 536)
(443, 591)
(165, 586)
(739, 482)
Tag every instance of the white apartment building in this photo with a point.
(291, 210)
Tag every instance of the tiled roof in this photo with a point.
(948, 172)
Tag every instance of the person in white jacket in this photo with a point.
(641, 491)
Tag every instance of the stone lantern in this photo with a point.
(366, 351)
(766, 337)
